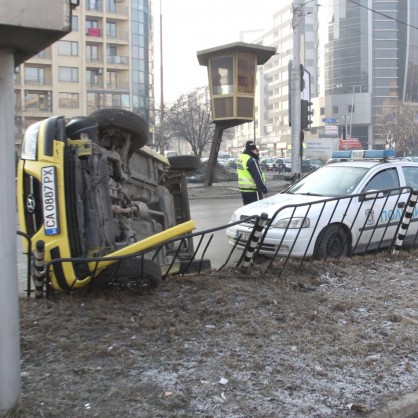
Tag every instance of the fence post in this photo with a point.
(38, 271)
(405, 222)
(253, 240)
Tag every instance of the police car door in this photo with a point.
(380, 211)
(410, 174)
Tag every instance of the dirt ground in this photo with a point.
(336, 339)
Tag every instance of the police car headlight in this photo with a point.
(30, 142)
(293, 223)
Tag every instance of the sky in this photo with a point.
(194, 25)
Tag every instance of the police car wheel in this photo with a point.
(332, 242)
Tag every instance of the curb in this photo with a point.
(404, 407)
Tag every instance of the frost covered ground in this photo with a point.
(336, 339)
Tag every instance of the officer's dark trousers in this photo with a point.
(250, 197)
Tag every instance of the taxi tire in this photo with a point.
(184, 162)
(131, 271)
(332, 242)
(124, 120)
(195, 266)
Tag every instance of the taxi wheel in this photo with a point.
(332, 242)
(134, 271)
(111, 119)
(184, 162)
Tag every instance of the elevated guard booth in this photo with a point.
(232, 80)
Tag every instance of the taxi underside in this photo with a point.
(109, 198)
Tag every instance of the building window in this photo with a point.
(112, 80)
(93, 78)
(68, 74)
(41, 54)
(92, 53)
(111, 31)
(68, 100)
(74, 23)
(69, 48)
(92, 28)
(38, 100)
(111, 6)
(35, 75)
(112, 51)
(94, 5)
(351, 108)
(334, 110)
(322, 111)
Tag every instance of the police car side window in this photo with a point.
(386, 179)
(411, 177)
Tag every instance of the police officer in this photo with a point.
(251, 180)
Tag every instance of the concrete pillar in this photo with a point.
(9, 303)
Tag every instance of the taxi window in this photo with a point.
(411, 177)
(385, 179)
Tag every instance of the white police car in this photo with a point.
(339, 209)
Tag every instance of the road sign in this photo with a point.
(329, 120)
(331, 130)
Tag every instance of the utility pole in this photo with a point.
(9, 306)
(295, 89)
(162, 116)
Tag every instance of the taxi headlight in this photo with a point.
(30, 142)
(293, 223)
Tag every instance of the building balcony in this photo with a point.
(39, 81)
(95, 32)
(118, 36)
(95, 85)
(36, 109)
(117, 59)
(95, 61)
(94, 6)
(120, 85)
(118, 10)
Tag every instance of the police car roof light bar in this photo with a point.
(364, 154)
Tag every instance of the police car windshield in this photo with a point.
(330, 180)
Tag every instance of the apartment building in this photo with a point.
(271, 126)
(106, 61)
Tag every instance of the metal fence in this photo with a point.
(323, 229)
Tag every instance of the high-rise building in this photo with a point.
(271, 128)
(371, 58)
(362, 55)
(106, 61)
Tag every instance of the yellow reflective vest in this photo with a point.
(246, 182)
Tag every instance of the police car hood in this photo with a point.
(272, 204)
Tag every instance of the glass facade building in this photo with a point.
(371, 59)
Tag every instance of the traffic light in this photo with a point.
(305, 114)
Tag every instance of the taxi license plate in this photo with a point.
(49, 200)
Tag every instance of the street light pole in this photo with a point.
(351, 111)
(295, 89)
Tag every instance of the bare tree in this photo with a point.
(190, 119)
(162, 135)
(399, 125)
